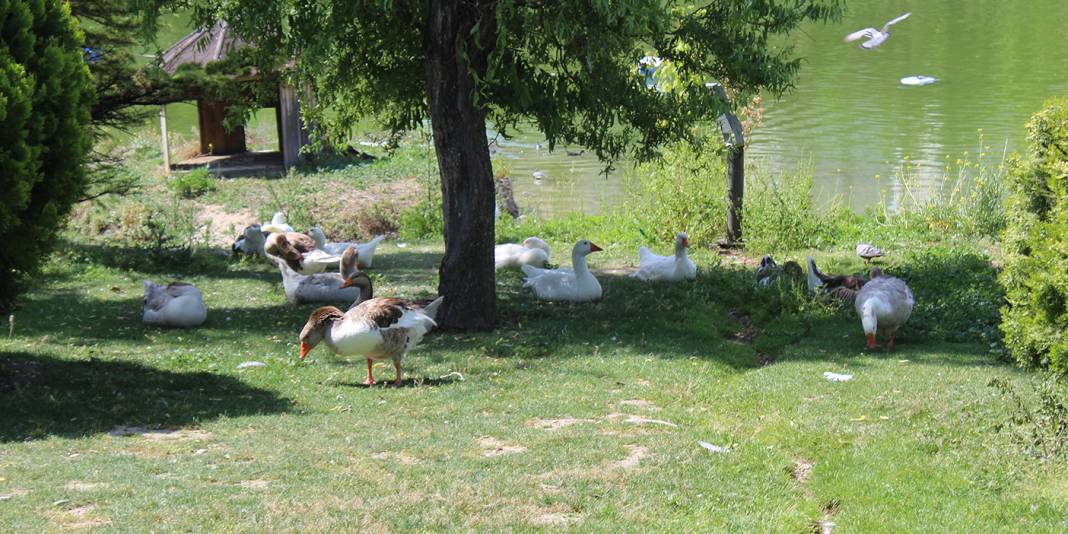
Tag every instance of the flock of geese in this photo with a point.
(384, 328)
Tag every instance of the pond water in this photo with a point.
(849, 117)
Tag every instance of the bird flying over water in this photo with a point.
(875, 37)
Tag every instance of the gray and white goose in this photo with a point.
(177, 305)
(884, 304)
(326, 287)
(376, 329)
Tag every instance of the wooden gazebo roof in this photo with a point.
(202, 47)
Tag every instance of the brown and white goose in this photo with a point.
(299, 252)
(376, 329)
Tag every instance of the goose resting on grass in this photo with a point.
(299, 252)
(251, 241)
(884, 304)
(578, 285)
(326, 287)
(533, 251)
(675, 268)
(366, 251)
(177, 305)
(277, 225)
(376, 329)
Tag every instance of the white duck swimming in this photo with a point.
(533, 251)
(299, 252)
(277, 225)
(177, 305)
(326, 287)
(653, 267)
(577, 285)
(377, 329)
(366, 250)
(883, 304)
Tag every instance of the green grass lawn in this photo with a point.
(568, 416)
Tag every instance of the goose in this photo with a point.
(841, 287)
(652, 267)
(533, 251)
(769, 272)
(366, 250)
(177, 305)
(883, 304)
(376, 329)
(251, 241)
(299, 252)
(578, 285)
(326, 287)
(868, 252)
(277, 225)
(875, 37)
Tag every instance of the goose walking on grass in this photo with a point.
(884, 304)
(177, 305)
(533, 251)
(875, 37)
(674, 268)
(326, 287)
(299, 252)
(564, 284)
(366, 250)
(377, 329)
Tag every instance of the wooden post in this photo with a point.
(164, 144)
(733, 136)
(289, 126)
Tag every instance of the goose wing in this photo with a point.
(866, 33)
(886, 27)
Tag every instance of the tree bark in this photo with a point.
(466, 276)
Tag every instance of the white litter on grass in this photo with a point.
(401, 245)
(918, 80)
(456, 374)
(246, 365)
(835, 377)
(713, 448)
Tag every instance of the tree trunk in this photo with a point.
(466, 277)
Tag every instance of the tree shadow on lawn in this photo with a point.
(44, 396)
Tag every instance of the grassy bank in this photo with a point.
(568, 416)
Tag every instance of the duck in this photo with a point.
(884, 304)
(177, 305)
(572, 285)
(326, 287)
(532, 251)
(653, 267)
(366, 250)
(841, 287)
(867, 252)
(770, 272)
(376, 329)
(299, 252)
(277, 225)
(251, 241)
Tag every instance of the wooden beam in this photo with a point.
(289, 126)
(164, 143)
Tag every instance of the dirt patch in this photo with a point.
(495, 447)
(14, 493)
(546, 517)
(80, 517)
(225, 226)
(747, 334)
(643, 382)
(159, 434)
(254, 484)
(640, 403)
(635, 455)
(556, 424)
(825, 525)
(801, 471)
(399, 457)
(639, 420)
(77, 485)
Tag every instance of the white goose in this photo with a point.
(883, 304)
(251, 241)
(366, 250)
(377, 329)
(277, 225)
(875, 37)
(326, 287)
(652, 267)
(533, 251)
(578, 285)
(299, 252)
(177, 305)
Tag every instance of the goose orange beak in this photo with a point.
(304, 349)
(594, 248)
(346, 283)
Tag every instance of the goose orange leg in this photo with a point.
(396, 365)
(890, 343)
(370, 379)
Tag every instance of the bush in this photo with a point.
(1034, 320)
(46, 91)
(192, 184)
